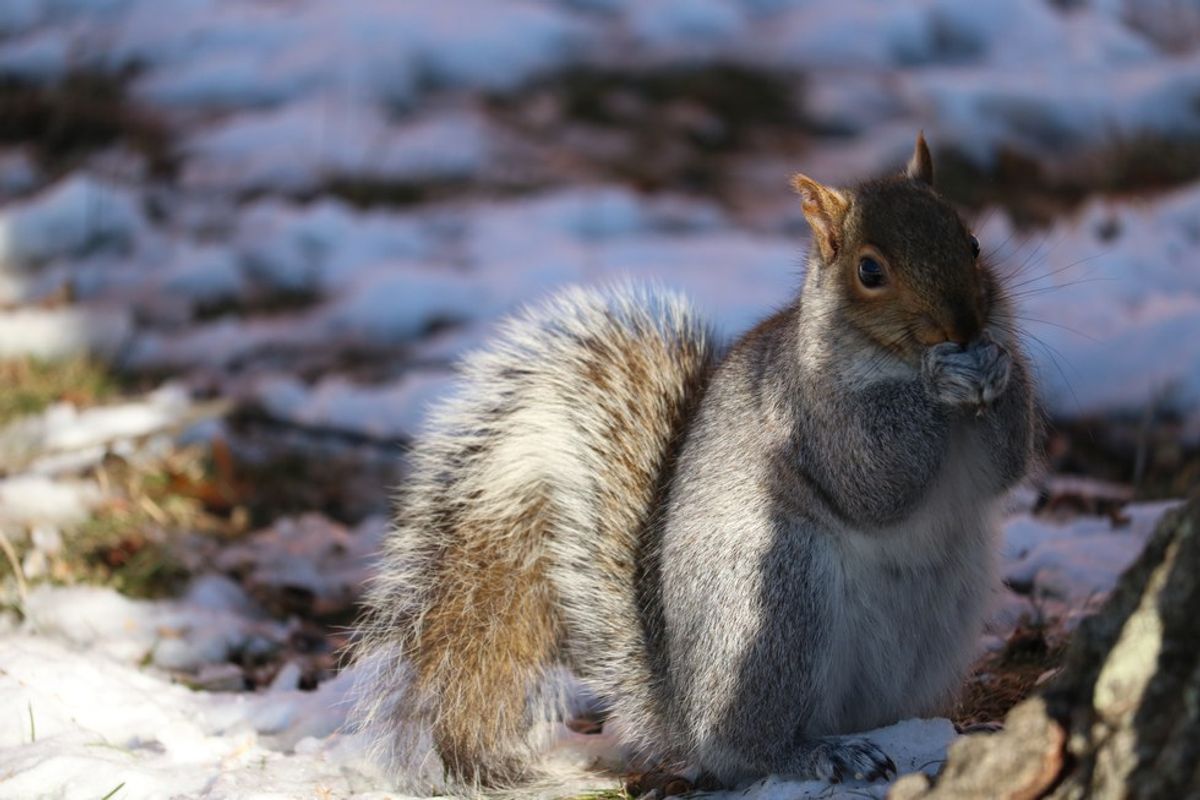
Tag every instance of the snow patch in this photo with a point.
(70, 218)
(300, 147)
(62, 332)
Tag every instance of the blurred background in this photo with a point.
(242, 243)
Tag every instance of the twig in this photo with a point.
(15, 563)
(255, 415)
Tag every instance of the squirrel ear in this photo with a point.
(920, 166)
(825, 209)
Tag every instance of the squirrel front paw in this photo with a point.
(835, 760)
(995, 365)
(972, 376)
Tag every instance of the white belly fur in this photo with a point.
(905, 624)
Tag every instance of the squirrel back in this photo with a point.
(513, 552)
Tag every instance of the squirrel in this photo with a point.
(747, 554)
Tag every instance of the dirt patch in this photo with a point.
(677, 127)
(29, 386)
(1035, 191)
(64, 122)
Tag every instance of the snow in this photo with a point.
(297, 66)
(33, 500)
(1075, 562)
(318, 246)
(255, 54)
(203, 273)
(18, 173)
(685, 25)
(1114, 313)
(64, 429)
(916, 745)
(386, 411)
(299, 146)
(96, 721)
(1061, 110)
(70, 218)
(397, 304)
(61, 332)
(18, 15)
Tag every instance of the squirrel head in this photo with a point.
(902, 266)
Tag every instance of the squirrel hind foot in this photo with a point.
(836, 759)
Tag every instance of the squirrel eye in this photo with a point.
(870, 273)
(974, 247)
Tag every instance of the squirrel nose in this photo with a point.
(930, 333)
(958, 325)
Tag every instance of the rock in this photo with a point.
(219, 678)
(1123, 717)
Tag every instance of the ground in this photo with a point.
(242, 244)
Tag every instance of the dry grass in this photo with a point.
(1002, 679)
(28, 386)
(123, 543)
(130, 542)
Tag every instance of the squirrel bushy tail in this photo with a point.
(516, 549)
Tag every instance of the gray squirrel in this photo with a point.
(746, 554)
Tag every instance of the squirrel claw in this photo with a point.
(854, 759)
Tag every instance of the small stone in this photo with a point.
(220, 678)
(287, 679)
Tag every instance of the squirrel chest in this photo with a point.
(905, 601)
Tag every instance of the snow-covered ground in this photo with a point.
(100, 690)
(352, 202)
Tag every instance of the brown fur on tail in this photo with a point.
(490, 632)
